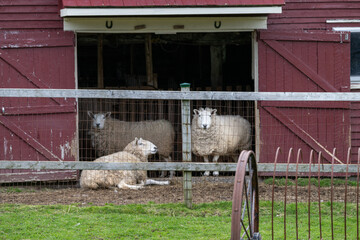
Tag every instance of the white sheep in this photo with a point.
(136, 151)
(109, 135)
(214, 135)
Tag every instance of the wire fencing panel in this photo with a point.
(73, 135)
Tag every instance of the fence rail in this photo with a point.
(180, 95)
(176, 166)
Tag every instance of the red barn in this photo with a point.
(238, 45)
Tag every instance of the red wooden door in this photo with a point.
(304, 62)
(40, 129)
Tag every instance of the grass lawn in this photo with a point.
(163, 221)
(149, 221)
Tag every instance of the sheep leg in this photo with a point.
(172, 173)
(124, 185)
(215, 159)
(154, 182)
(206, 160)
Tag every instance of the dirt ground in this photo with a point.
(205, 189)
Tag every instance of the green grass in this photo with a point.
(338, 215)
(148, 221)
(304, 181)
(164, 221)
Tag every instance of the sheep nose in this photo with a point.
(205, 126)
(98, 125)
(155, 148)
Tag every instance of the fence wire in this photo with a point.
(76, 130)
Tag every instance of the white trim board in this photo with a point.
(173, 11)
(343, 21)
(164, 25)
(346, 29)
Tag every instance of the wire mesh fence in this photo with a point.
(70, 140)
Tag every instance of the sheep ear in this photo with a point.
(196, 112)
(107, 114)
(90, 114)
(213, 111)
(136, 141)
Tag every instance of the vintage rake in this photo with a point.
(245, 208)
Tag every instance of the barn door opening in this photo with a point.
(208, 61)
(304, 62)
(213, 60)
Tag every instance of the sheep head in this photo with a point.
(204, 117)
(141, 147)
(98, 120)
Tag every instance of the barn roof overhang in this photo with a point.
(168, 11)
(167, 16)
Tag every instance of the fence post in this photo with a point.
(186, 145)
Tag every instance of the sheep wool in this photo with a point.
(220, 135)
(113, 135)
(136, 151)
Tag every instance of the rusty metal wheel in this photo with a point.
(245, 207)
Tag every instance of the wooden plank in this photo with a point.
(59, 175)
(303, 67)
(31, 24)
(311, 13)
(301, 133)
(171, 166)
(28, 139)
(29, 3)
(329, 5)
(37, 82)
(36, 43)
(149, 61)
(301, 36)
(100, 62)
(88, 165)
(178, 95)
(38, 110)
(28, 9)
(32, 17)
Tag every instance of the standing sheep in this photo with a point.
(109, 135)
(136, 151)
(218, 135)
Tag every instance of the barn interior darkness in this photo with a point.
(209, 61)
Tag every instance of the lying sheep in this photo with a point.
(136, 151)
(109, 135)
(213, 135)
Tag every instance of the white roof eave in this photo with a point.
(173, 11)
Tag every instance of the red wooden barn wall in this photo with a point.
(300, 52)
(36, 53)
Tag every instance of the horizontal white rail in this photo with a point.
(173, 166)
(179, 95)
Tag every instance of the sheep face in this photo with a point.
(205, 117)
(98, 120)
(142, 146)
